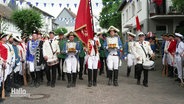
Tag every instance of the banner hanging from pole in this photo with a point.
(83, 24)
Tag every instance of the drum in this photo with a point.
(52, 62)
(148, 65)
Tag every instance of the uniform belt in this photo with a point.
(114, 55)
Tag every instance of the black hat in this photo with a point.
(172, 35)
(2, 35)
(71, 34)
(35, 32)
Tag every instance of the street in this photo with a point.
(161, 90)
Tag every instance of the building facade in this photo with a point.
(156, 17)
(66, 19)
(6, 9)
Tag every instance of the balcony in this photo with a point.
(163, 9)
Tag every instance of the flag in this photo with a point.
(83, 24)
(138, 26)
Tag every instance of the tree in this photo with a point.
(27, 20)
(180, 28)
(3, 24)
(115, 17)
(179, 5)
(61, 30)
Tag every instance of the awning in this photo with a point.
(128, 26)
(167, 16)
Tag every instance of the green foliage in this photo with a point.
(115, 19)
(60, 30)
(27, 20)
(180, 28)
(179, 5)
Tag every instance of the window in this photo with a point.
(139, 5)
(127, 15)
(133, 9)
(160, 29)
(130, 15)
(123, 18)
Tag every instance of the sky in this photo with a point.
(56, 9)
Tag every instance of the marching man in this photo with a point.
(178, 55)
(30, 56)
(92, 61)
(113, 44)
(128, 51)
(3, 61)
(50, 52)
(141, 50)
(71, 65)
(17, 67)
(171, 54)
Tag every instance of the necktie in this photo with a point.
(50, 41)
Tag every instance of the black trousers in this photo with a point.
(48, 73)
(81, 62)
(139, 69)
(59, 68)
(102, 64)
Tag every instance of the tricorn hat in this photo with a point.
(112, 28)
(71, 34)
(132, 34)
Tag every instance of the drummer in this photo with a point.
(141, 50)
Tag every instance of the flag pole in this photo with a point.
(91, 9)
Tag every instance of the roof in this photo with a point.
(5, 11)
(69, 11)
(124, 2)
(34, 7)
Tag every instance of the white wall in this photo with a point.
(140, 11)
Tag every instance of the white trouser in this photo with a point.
(168, 59)
(71, 64)
(31, 66)
(131, 60)
(112, 62)
(93, 62)
(179, 66)
(17, 68)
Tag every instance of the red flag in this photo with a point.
(83, 24)
(138, 24)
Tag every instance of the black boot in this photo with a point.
(33, 82)
(69, 80)
(74, 75)
(16, 78)
(135, 72)
(128, 71)
(115, 80)
(95, 77)
(37, 79)
(41, 75)
(89, 77)
(110, 77)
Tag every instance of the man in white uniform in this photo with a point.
(128, 51)
(71, 62)
(141, 51)
(50, 51)
(93, 59)
(178, 54)
(113, 44)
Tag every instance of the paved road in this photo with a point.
(160, 91)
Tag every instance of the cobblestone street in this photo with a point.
(160, 91)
